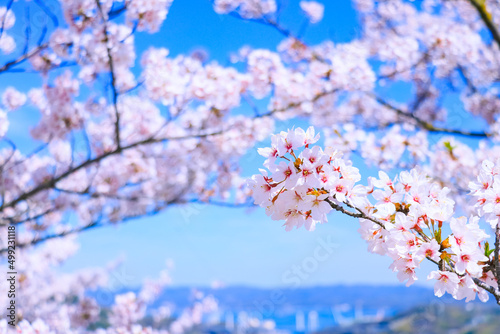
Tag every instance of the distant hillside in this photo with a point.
(313, 297)
(243, 298)
(431, 319)
(338, 309)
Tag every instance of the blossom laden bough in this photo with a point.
(313, 10)
(402, 218)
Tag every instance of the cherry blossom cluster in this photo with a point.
(147, 15)
(127, 308)
(406, 218)
(487, 191)
(60, 115)
(42, 292)
(7, 19)
(248, 9)
(54, 303)
(301, 178)
(313, 10)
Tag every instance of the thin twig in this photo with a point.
(426, 125)
(486, 17)
(298, 104)
(48, 184)
(23, 58)
(495, 292)
(360, 213)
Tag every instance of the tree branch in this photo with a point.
(99, 223)
(362, 215)
(52, 182)
(426, 125)
(49, 12)
(298, 104)
(9, 5)
(24, 57)
(480, 6)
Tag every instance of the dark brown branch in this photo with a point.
(426, 125)
(298, 104)
(359, 214)
(490, 289)
(38, 240)
(87, 192)
(79, 229)
(52, 182)
(31, 218)
(24, 57)
(486, 17)
(98, 222)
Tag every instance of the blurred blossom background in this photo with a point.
(205, 268)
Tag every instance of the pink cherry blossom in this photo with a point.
(446, 282)
(314, 10)
(13, 99)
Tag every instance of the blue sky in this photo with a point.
(235, 246)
